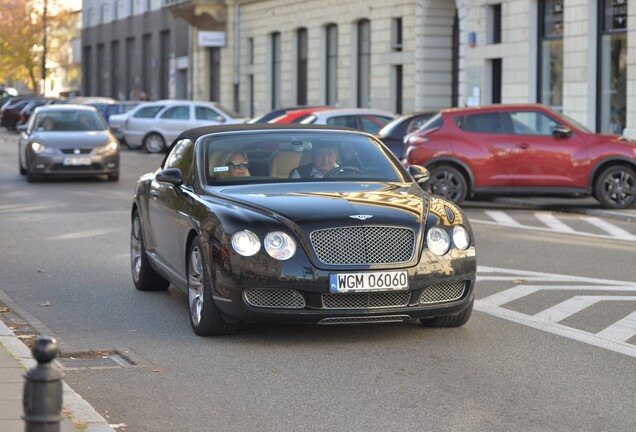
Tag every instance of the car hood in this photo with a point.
(331, 204)
(72, 139)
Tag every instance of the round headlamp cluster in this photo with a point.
(278, 244)
(439, 240)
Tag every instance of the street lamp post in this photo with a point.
(44, 47)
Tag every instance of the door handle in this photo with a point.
(524, 146)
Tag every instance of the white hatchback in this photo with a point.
(152, 125)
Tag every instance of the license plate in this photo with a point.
(365, 282)
(75, 161)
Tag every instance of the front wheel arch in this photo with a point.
(455, 168)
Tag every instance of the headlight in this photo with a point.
(39, 148)
(461, 238)
(279, 245)
(438, 240)
(246, 243)
(108, 148)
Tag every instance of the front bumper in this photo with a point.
(62, 165)
(312, 302)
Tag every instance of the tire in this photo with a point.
(144, 276)
(615, 188)
(22, 170)
(205, 317)
(448, 183)
(456, 320)
(154, 143)
(113, 177)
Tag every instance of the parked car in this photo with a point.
(522, 150)
(119, 107)
(10, 112)
(298, 115)
(100, 103)
(153, 124)
(363, 244)
(364, 119)
(28, 109)
(67, 141)
(275, 113)
(392, 135)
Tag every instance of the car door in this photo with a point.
(174, 120)
(206, 116)
(486, 147)
(165, 206)
(543, 159)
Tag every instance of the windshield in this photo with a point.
(69, 120)
(297, 156)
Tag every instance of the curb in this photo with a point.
(80, 410)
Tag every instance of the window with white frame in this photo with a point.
(551, 53)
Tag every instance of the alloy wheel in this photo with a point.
(619, 188)
(135, 249)
(195, 285)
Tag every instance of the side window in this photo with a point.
(532, 123)
(181, 112)
(482, 123)
(346, 121)
(373, 123)
(148, 112)
(205, 113)
(182, 156)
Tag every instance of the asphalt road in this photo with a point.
(530, 358)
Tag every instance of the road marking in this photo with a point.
(553, 223)
(569, 307)
(502, 217)
(609, 228)
(622, 330)
(612, 338)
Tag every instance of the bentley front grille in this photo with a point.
(274, 298)
(441, 293)
(364, 245)
(366, 300)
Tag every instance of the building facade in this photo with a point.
(402, 56)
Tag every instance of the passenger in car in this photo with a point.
(324, 158)
(47, 124)
(238, 164)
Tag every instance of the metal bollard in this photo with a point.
(42, 397)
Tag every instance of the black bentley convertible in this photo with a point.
(248, 221)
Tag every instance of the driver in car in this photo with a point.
(324, 158)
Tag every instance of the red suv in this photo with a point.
(522, 150)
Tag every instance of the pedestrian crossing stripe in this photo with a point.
(612, 338)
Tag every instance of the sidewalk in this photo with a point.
(16, 359)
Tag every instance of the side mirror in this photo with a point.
(170, 175)
(419, 173)
(21, 127)
(562, 131)
(220, 119)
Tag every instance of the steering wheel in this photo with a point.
(343, 170)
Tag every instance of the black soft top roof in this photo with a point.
(195, 133)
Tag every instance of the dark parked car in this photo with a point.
(522, 150)
(361, 244)
(28, 109)
(11, 112)
(67, 141)
(392, 135)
